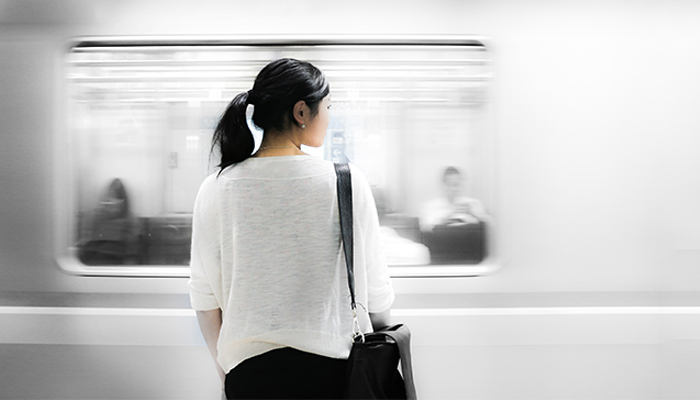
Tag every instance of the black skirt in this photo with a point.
(287, 373)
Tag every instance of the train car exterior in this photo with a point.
(588, 139)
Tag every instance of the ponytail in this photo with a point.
(232, 135)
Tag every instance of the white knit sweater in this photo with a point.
(266, 249)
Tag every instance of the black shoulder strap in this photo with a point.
(344, 183)
(400, 333)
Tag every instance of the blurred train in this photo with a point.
(571, 272)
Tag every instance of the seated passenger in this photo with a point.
(452, 208)
(454, 226)
(112, 234)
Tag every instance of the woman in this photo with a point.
(268, 277)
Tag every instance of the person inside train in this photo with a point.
(452, 208)
(454, 226)
(268, 280)
(111, 236)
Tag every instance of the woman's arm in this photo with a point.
(380, 320)
(210, 325)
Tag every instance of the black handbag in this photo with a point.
(374, 358)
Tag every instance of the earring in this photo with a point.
(303, 126)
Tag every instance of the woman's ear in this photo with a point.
(299, 112)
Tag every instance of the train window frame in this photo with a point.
(67, 179)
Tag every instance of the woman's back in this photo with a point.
(275, 221)
(268, 240)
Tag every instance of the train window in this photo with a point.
(412, 114)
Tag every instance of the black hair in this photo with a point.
(117, 191)
(450, 171)
(277, 88)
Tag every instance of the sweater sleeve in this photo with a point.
(380, 292)
(203, 256)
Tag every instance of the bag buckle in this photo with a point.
(356, 330)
